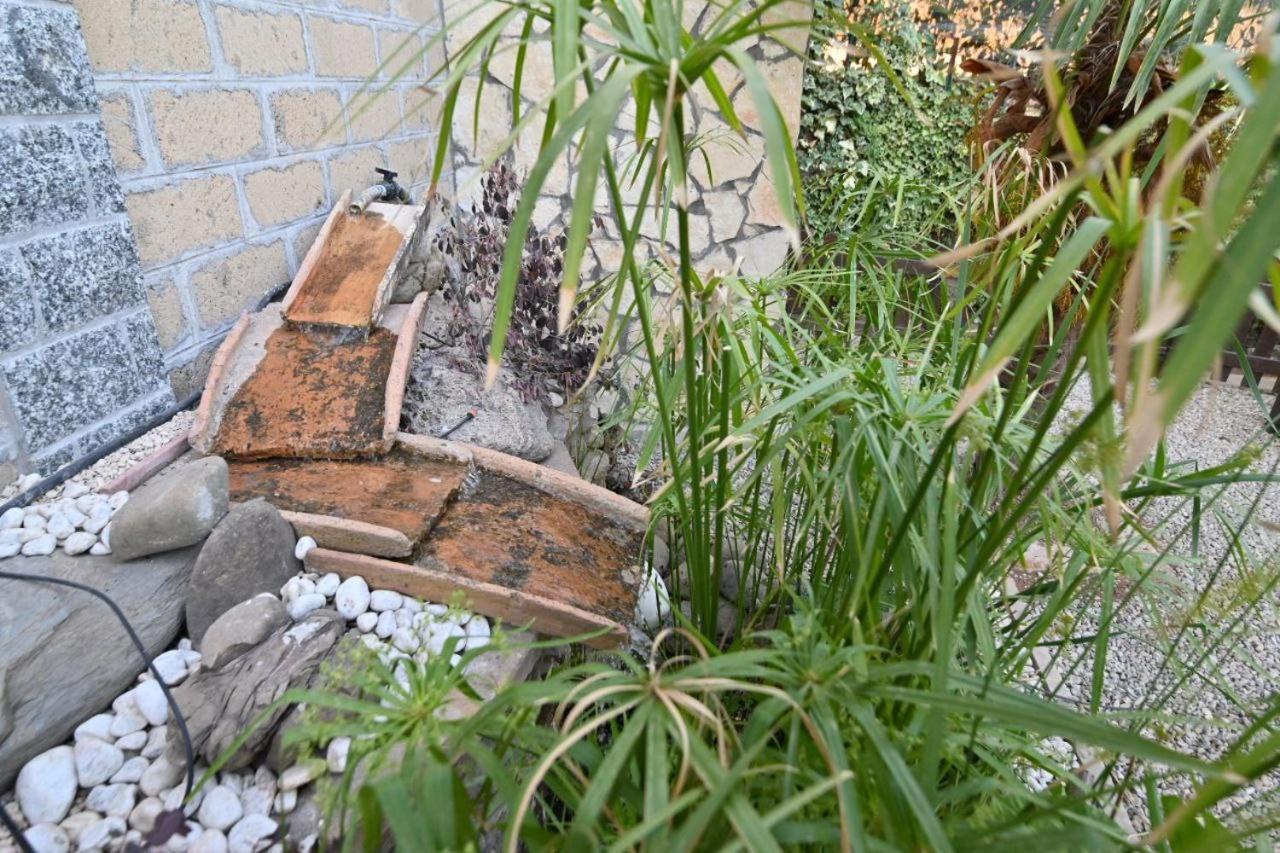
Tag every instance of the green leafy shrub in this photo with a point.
(859, 133)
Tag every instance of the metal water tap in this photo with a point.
(387, 190)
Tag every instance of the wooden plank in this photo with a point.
(201, 434)
(147, 467)
(317, 249)
(401, 364)
(342, 534)
(511, 606)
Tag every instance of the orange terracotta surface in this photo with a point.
(505, 532)
(310, 397)
(342, 286)
(402, 491)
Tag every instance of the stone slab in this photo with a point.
(48, 685)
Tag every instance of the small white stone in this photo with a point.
(160, 776)
(113, 800)
(131, 771)
(150, 699)
(174, 798)
(99, 726)
(654, 606)
(478, 632)
(79, 543)
(60, 526)
(100, 549)
(127, 723)
(97, 835)
(221, 808)
(154, 747)
(436, 609)
(413, 605)
(455, 659)
(13, 535)
(210, 841)
(9, 549)
(404, 619)
(366, 622)
(386, 624)
(126, 703)
(351, 598)
(41, 546)
(75, 516)
(405, 640)
(233, 781)
(33, 520)
(385, 599)
(118, 499)
(47, 838)
(336, 755)
(255, 800)
(133, 742)
(245, 835)
(77, 823)
(86, 503)
(172, 666)
(328, 584)
(301, 774)
(12, 518)
(144, 814)
(304, 547)
(96, 761)
(285, 802)
(105, 535)
(304, 604)
(74, 490)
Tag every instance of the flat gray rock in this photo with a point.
(250, 551)
(220, 704)
(172, 511)
(241, 628)
(63, 656)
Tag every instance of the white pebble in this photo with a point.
(47, 838)
(336, 755)
(301, 774)
(96, 761)
(150, 699)
(79, 542)
(144, 814)
(99, 726)
(97, 835)
(105, 535)
(245, 835)
(154, 746)
(328, 585)
(404, 618)
(41, 546)
(221, 808)
(87, 503)
(304, 604)
(75, 516)
(78, 822)
(210, 841)
(160, 776)
(73, 490)
(255, 800)
(131, 771)
(60, 526)
(118, 499)
(113, 800)
(413, 605)
(133, 742)
(172, 666)
(385, 599)
(100, 549)
(46, 785)
(436, 609)
(366, 622)
(285, 802)
(12, 518)
(386, 624)
(351, 598)
(33, 520)
(304, 547)
(127, 723)
(9, 549)
(405, 640)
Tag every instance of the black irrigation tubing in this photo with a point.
(466, 419)
(58, 478)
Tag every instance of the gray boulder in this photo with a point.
(48, 683)
(241, 628)
(173, 511)
(220, 704)
(250, 551)
(439, 396)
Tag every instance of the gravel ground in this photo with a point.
(1204, 637)
(115, 464)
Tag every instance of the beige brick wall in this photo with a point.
(236, 124)
(735, 217)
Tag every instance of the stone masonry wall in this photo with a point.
(734, 212)
(79, 359)
(235, 125)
